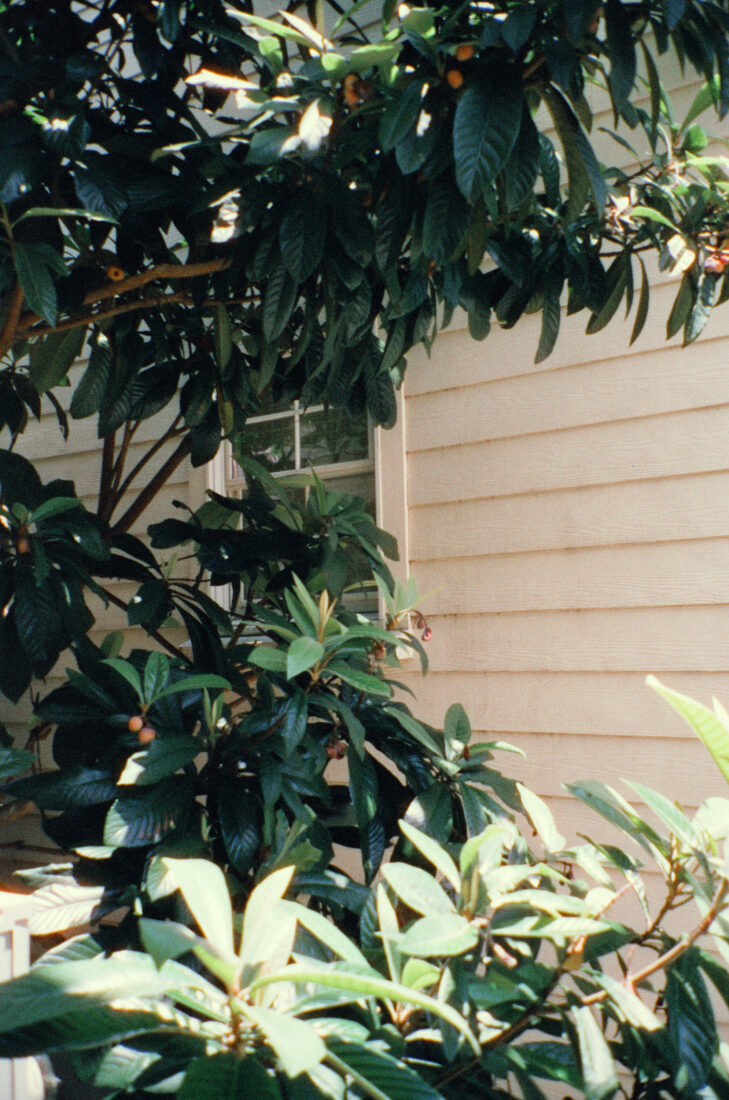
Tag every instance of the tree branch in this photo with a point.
(171, 432)
(150, 491)
(105, 504)
(10, 328)
(160, 271)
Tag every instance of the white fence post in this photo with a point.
(20, 1079)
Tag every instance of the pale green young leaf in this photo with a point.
(372, 985)
(433, 852)
(443, 934)
(599, 1077)
(669, 813)
(303, 654)
(709, 726)
(328, 934)
(541, 818)
(417, 889)
(389, 932)
(202, 885)
(258, 913)
(296, 1044)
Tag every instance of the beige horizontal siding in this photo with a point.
(641, 511)
(656, 575)
(569, 528)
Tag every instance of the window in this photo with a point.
(346, 452)
(336, 444)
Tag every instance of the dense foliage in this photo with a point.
(484, 969)
(219, 212)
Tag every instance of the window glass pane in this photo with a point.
(333, 435)
(271, 442)
(359, 485)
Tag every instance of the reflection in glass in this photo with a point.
(272, 443)
(333, 435)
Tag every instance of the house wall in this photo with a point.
(569, 521)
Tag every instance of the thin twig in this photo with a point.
(169, 646)
(678, 949)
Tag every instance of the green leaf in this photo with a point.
(709, 726)
(146, 814)
(222, 336)
(400, 116)
(128, 672)
(681, 307)
(51, 358)
(599, 1078)
(269, 658)
(302, 236)
(583, 171)
(31, 264)
(62, 905)
(208, 680)
(615, 284)
(446, 220)
(643, 303)
(371, 984)
(418, 889)
(162, 757)
(278, 302)
(551, 318)
(434, 853)
(89, 393)
(457, 726)
(541, 818)
(652, 216)
(296, 1044)
(55, 506)
(691, 1025)
(377, 1074)
(228, 1077)
(442, 934)
(256, 921)
(156, 674)
(239, 819)
(302, 654)
(13, 761)
(485, 128)
(621, 49)
(360, 680)
(415, 729)
(202, 885)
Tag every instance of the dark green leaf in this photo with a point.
(400, 116)
(146, 815)
(51, 358)
(226, 1075)
(446, 220)
(302, 237)
(278, 302)
(682, 306)
(622, 52)
(31, 264)
(239, 817)
(485, 128)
